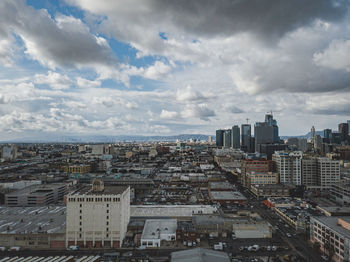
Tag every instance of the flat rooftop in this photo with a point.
(35, 189)
(108, 190)
(199, 255)
(24, 220)
(336, 210)
(155, 227)
(220, 185)
(227, 195)
(170, 210)
(332, 222)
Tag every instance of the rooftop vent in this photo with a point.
(97, 185)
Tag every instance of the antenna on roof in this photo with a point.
(247, 120)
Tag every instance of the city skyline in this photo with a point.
(78, 67)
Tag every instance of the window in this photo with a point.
(107, 211)
(107, 229)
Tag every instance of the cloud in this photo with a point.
(65, 41)
(335, 56)
(189, 94)
(200, 111)
(168, 114)
(235, 110)
(54, 80)
(86, 83)
(156, 71)
(203, 18)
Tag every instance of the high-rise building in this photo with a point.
(235, 135)
(302, 145)
(288, 166)
(219, 138)
(327, 134)
(348, 125)
(227, 138)
(328, 172)
(313, 132)
(266, 132)
(317, 142)
(336, 138)
(343, 129)
(246, 137)
(309, 172)
(97, 216)
(210, 139)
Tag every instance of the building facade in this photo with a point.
(288, 166)
(98, 217)
(333, 235)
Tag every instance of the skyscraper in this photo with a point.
(246, 137)
(235, 136)
(327, 135)
(266, 132)
(343, 129)
(227, 138)
(219, 138)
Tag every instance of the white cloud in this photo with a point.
(86, 83)
(54, 80)
(335, 56)
(198, 111)
(168, 114)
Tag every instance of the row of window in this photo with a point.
(94, 199)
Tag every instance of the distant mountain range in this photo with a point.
(126, 138)
(307, 136)
(110, 139)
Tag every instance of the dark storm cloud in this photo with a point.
(66, 41)
(265, 18)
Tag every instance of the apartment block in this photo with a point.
(328, 172)
(288, 166)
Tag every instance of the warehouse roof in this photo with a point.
(22, 220)
(199, 255)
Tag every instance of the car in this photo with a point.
(241, 248)
(274, 248)
(289, 235)
(268, 248)
(73, 248)
(324, 257)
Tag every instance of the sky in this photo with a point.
(163, 67)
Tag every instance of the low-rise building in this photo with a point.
(264, 191)
(199, 255)
(333, 235)
(156, 230)
(340, 192)
(36, 195)
(261, 178)
(228, 197)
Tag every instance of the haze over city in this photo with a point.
(151, 67)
